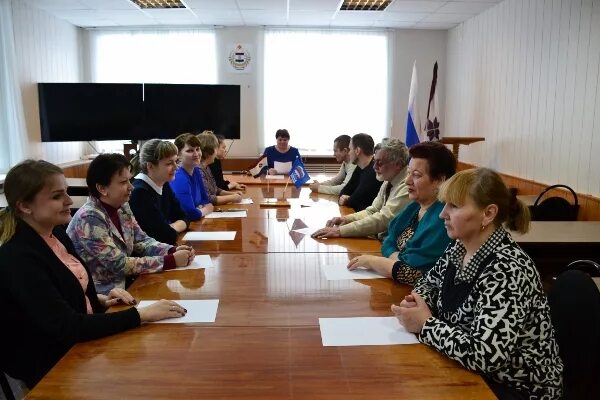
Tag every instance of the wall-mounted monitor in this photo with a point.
(115, 111)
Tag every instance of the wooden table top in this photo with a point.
(266, 341)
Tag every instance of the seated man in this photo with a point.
(362, 188)
(341, 149)
(390, 166)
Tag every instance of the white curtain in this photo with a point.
(13, 134)
(322, 84)
(152, 56)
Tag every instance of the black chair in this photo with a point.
(6, 390)
(555, 208)
(590, 267)
(575, 310)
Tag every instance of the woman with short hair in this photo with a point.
(282, 152)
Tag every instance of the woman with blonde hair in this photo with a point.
(152, 201)
(208, 146)
(483, 304)
(47, 297)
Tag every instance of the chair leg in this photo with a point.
(8, 393)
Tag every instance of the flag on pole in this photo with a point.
(258, 167)
(298, 174)
(413, 123)
(432, 127)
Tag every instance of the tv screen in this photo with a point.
(90, 111)
(174, 109)
(117, 111)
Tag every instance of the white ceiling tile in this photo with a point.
(452, 18)
(109, 4)
(314, 5)
(170, 13)
(271, 5)
(358, 16)
(262, 13)
(261, 17)
(58, 4)
(87, 23)
(415, 6)
(353, 24)
(435, 25)
(402, 17)
(217, 14)
(393, 24)
(212, 4)
(464, 7)
(310, 18)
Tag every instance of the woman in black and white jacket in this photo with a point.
(482, 304)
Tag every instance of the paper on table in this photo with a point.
(306, 231)
(227, 214)
(197, 311)
(199, 262)
(340, 272)
(364, 331)
(222, 235)
(282, 167)
(274, 176)
(245, 201)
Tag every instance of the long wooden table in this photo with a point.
(265, 342)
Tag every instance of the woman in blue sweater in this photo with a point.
(416, 236)
(282, 152)
(188, 185)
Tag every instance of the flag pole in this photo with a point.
(285, 188)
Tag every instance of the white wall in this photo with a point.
(47, 50)
(525, 75)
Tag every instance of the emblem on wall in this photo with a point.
(240, 58)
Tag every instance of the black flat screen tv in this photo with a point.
(172, 109)
(115, 111)
(89, 111)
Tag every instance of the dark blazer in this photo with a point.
(367, 189)
(43, 307)
(217, 171)
(154, 212)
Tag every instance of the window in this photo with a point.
(319, 85)
(164, 56)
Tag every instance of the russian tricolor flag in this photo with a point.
(413, 121)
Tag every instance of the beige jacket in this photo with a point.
(375, 218)
(337, 183)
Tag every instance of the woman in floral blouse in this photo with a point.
(106, 235)
(482, 304)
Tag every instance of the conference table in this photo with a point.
(265, 342)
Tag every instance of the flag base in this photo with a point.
(274, 203)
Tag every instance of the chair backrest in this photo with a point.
(575, 309)
(6, 390)
(555, 208)
(590, 267)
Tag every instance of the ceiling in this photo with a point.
(418, 14)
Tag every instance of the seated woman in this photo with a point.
(281, 153)
(217, 169)
(416, 236)
(47, 298)
(208, 147)
(106, 235)
(188, 184)
(153, 202)
(483, 304)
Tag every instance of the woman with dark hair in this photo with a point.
(47, 298)
(483, 304)
(188, 184)
(106, 235)
(281, 153)
(217, 169)
(153, 202)
(416, 236)
(208, 148)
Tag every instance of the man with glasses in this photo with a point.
(389, 165)
(341, 152)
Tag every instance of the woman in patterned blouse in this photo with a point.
(416, 236)
(208, 146)
(482, 304)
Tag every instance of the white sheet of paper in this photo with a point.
(197, 311)
(227, 214)
(221, 235)
(340, 272)
(245, 201)
(282, 167)
(364, 331)
(199, 262)
(307, 231)
(274, 176)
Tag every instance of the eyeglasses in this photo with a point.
(379, 163)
